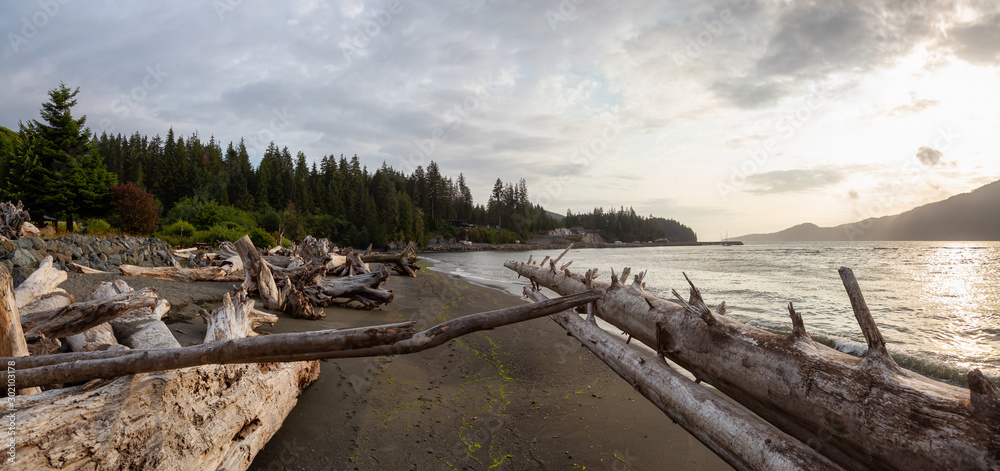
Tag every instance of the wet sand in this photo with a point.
(525, 396)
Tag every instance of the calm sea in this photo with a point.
(936, 303)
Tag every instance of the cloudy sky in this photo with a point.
(731, 116)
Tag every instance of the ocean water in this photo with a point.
(937, 304)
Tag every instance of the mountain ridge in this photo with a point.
(969, 216)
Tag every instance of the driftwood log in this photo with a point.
(740, 438)
(208, 417)
(12, 341)
(404, 262)
(183, 274)
(257, 276)
(391, 339)
(861, 413)
(77, 317)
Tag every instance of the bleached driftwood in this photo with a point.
(183, 274)
(41, 283)
(77, 317)
(139, 328)
(208, 417)
(257, 276)
(740, 438)
(860, 413)
(85, 270)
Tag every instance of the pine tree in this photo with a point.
(70, 177)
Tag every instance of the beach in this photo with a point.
(524, 396)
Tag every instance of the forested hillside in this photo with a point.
(195, 190)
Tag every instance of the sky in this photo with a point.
(733, 117)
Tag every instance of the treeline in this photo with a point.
(336, 197)
(625, 225)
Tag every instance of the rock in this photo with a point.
(24, 243)
(8, 246)
(9, 265)
(23, 258)
(38, 243)
(75, 251)
(47, 231)
(114, 260)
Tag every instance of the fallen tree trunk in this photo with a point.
(214, 417)
(391, 339)
(183, 274)
(78, 317)
(740, 438)
(860, 413)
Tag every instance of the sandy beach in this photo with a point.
(525, 396)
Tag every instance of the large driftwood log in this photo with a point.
(209, 417)
(183, 274)
(391, 339)
(214, 417)
(78, 317)
(860, 413)
(740, 438)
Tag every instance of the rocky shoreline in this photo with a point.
(105, 253)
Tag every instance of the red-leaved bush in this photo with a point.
(136, 211)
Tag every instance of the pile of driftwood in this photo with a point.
(14, 222)
(816, 407)
(128, 396)
(301, 282)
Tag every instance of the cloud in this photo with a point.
(792, 181)
(929, 157)
(915, 106)
(977, 42)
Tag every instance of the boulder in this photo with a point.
(22, 257)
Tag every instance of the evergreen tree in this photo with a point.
(70, 177)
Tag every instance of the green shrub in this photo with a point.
(180, 228)
(206, 214)
(216, 234)
(96, 226)
(176, 240)
(261, 238)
